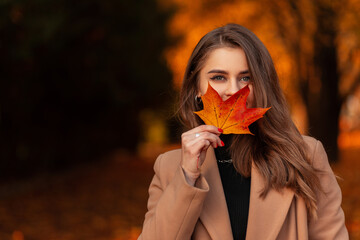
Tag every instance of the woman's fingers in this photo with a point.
(194, 147)
(193, 139)
(205, 128)
(211, 133)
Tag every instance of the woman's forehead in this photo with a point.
(226, 59)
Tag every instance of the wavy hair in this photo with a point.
(277, 149)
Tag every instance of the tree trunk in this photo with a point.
(323, 100)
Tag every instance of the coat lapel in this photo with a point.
(266, 216)
(215, 216)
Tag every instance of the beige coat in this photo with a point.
(177, 210)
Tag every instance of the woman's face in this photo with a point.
(227, 71)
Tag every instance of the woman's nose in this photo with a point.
(232, 88)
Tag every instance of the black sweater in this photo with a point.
(236, 189)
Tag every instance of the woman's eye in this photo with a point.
(217, 78)
(245, 79)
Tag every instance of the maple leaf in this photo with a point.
(231, 115)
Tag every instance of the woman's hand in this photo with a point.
(194, 144)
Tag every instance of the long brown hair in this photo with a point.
(277, 149)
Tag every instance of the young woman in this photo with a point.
(275, 184)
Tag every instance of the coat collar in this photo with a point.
(266, 216)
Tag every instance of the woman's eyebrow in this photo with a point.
(218, 71)
(244, 72)
(225, 72)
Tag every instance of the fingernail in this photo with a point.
(220, 130)
(222, 143)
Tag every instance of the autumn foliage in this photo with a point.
(232, 115)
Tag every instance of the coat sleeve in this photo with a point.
(330, 223)
(173, 206)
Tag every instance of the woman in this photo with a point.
(275, 184)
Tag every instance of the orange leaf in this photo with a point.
(231, 115)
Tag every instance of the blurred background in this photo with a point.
(88, 92)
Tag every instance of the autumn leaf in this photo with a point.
(231, 115)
